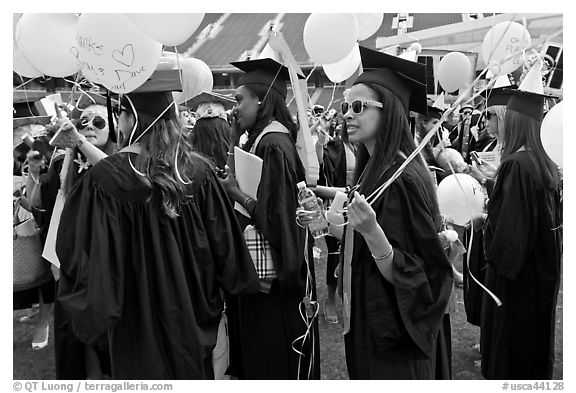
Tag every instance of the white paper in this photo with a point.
(248, 169)
(491, 157)
(49, 252)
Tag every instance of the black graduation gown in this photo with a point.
(523, 252)
(333, 172)
(394, 328)
(150, 282)
(266, 324)
(472, 292)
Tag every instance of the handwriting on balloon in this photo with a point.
(125, 56)
(89, 45)
(124, 76)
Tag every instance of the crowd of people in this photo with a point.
(155, 259)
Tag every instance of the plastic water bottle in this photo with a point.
(307, 200)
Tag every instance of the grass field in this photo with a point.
(29, 364)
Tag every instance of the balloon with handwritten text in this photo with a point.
(503, 40)
(112, 52)
(167, 29)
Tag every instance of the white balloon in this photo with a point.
(504, 39)
(368, 24)
(343, 69)
(328, 38)
(114, 53)
(552, 133)
(22, 67)
(48, 43)
(460, 197)
(196, 78)
(454, 71)
(168, 29)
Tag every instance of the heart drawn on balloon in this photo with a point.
(126, 56)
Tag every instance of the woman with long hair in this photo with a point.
(523, 250)
(146, 240)
(475, 264)
(279, 338)
(396, 277)
(210, 135)
(95, 140)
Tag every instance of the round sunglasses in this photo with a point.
(359, 105)
(97, 121)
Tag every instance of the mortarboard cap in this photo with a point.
(154, 96)
(405, 79)
(208, 97)
(24, 121)
(267, 72)
(500, 96)
(464, 106)
(210, 105)
(526, 103)
(434, 112)
(528, 99)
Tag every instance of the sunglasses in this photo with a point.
(489, 115)
(359, 105)
(97, 121)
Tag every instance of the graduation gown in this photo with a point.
(472, 292)
(394, 328)
(150, 282)
(523, 252)
(265, 325)
(69, 352)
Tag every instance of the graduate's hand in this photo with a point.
(228, 180)
(488, 169)
(236, 132)
(476, 173)
(361, 215)
(478, 222)
(304, 218)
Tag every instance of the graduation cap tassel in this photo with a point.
(111, 128)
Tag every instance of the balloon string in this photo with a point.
(331, 98)
(378, 192)
(180, 69)
(493, 296)
(272, 83)
(24, 84)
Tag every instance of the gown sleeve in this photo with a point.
(275, 214)
(512, 212)
(421, 271)
(91, 288)
(234, 268)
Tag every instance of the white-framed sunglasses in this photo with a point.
(358, 105)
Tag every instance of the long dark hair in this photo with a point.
(273, 107)
(394, 136)
(164, 146)
(211, 137)
(521, 130)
